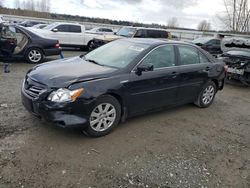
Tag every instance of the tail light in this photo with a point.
(57, 45)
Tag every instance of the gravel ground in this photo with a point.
(182, 147)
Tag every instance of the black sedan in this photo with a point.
(121, 79)
(211, 45)
(18, 42)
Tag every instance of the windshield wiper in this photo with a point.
(93, 61)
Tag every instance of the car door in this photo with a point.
(61, 33)
(157, 88)
(76, 35)
(8, 41)
(193, 72)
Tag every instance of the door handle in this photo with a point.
(174, 74)
(207, 69)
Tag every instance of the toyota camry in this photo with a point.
(119, 80)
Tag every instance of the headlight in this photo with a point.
(65, 95)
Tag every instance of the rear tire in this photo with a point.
(104, 116)
(207, 95)
(34, 55)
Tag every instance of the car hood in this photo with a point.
(63, 73)
(108, 38)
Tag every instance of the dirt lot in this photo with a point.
(181, 147)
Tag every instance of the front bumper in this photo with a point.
(66, 115)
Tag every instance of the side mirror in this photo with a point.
(54, 30)
(144, 68)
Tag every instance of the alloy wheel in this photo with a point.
(35, 56)
(208, 95)
(102, 117)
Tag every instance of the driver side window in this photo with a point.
(161, 57)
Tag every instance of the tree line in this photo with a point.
(33, 5)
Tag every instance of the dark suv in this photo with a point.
(130, 32)
(211, 45)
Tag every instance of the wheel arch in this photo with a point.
(216, 82)
(35, 47)
(122, 103)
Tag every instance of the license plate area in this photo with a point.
(28, 104)
(236, 71)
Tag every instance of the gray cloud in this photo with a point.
(179, 4)
(165, 3)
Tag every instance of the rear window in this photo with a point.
(214, 42)
(105, 30)
(188, 55)
(75, 29)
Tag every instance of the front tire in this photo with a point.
(90, 46)
(104, 116)
(34, 55)
(207, 95)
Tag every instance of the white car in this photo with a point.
(101, 31)
(68, 34)
(39, 26)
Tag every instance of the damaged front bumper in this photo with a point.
(71, 114)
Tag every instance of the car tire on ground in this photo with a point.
(207, 95)
(104, 116)
(34, 55)
(90, 46)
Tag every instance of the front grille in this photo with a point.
(33, 89)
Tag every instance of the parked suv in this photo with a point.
(211, 45)
(130, 32)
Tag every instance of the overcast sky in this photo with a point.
(188, 12)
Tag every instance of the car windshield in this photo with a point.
(126, 32)
(94, 29)
(50, 26)
(201, 40)
(238, 53)
(116, 54)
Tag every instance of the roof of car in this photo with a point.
(159, 29)
(66, 23)
(151, 41)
